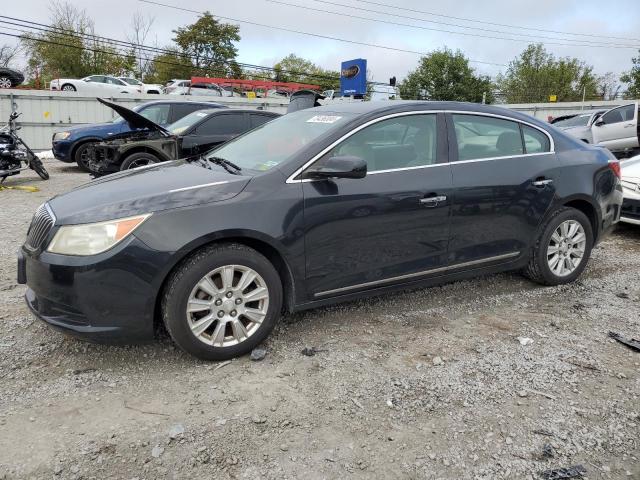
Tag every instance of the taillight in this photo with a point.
(615, 166)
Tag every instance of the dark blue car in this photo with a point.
(71, 145)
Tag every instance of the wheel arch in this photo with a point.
(143, 149)
(80, 142)
(586, 206)
(255, 240)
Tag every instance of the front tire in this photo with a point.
(136, 160)
(81, 156)
(562, 249)
(222, 301)
(37, 166)
(67, 87)
(5, 82)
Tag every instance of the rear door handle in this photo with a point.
(433, 201)
(542, 182)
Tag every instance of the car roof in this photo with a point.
(401, 106)
(217, 111)
(180, 102)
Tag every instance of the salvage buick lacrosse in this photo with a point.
(319, 206)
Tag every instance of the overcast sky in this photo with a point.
(264, 46)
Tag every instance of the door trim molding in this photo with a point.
(374, 283)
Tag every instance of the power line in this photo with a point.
(327, 37)
(581, 44)
(521, 27)
(125, 44)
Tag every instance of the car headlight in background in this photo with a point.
(93, 238)
(61, 135)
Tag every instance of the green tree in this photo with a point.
(632, 77)
(210, 46)
(537, 74)
(293, 68)
(70, 49)
(169, 65)
(446, 75)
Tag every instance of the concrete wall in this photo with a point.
(45, 112)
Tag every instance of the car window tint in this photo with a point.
(399, 142)
(96, 79)
(157, 113)
(183, 109)
(257, 120)
(485, 137)
(534, 140)
(226, 124)
(114, 81)
(618, 115)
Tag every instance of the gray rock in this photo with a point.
(176, 431)
(258, 354)
(157, 451)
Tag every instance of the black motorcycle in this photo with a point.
(14, 152)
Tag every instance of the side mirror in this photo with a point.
(345, 166)
(599, 122)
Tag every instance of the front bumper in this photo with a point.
(62, 150)
(105, 298)
(630, 210)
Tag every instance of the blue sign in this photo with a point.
(353, 77)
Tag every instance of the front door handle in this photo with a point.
(433, 201)
(542, 182)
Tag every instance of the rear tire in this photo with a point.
(199, 282)
(136, 160)
(562, 249)
(67, 87)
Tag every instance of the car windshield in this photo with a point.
(577, 121)
(274, 142)
(186, 122)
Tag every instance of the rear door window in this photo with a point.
(481, 137)
(255, 120)
(534, 140)
(225, 124)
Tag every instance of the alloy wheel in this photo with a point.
(138, 163)
(68, 88)
(566, 248)
(5, 82)
(227, 305)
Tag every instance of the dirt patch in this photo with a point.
(430, 383)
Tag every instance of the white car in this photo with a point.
(174, 84)
(618, 129)
(579, 124)
(149, 88)
(630, 169)
(94, 85)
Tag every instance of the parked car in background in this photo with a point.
(148, 142)
(203, 89)
(176, 83)
(146, 88)
(316, 207)
(579, 124)
(10, 78)
(94, 85)
(72, 144)
(618, 129)
(630, 169)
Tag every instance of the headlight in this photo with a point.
(61, 135)
(93, 238)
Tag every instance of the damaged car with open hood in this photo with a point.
(149, 143)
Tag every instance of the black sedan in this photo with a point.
(10, 78)
(316, 207)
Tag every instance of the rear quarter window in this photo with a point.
(534, 140)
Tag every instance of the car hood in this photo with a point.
(575, 130)
(134, 119)
(146, 190)
(94, 129)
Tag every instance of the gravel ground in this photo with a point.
(431, 383)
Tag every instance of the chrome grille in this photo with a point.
(41, 225)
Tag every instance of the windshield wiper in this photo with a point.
(226, 164)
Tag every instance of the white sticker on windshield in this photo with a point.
(324, 119)
(201, 114)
